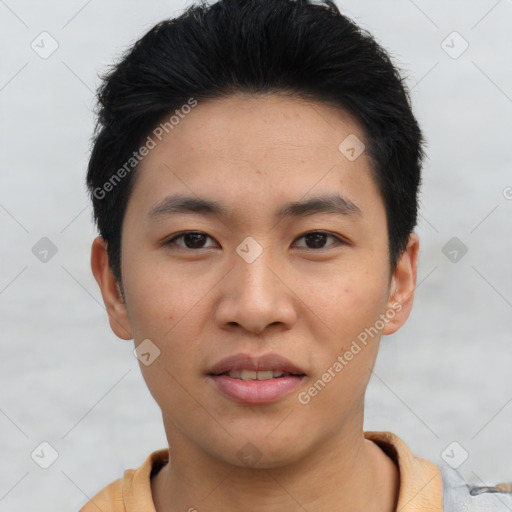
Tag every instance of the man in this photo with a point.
(254, 178)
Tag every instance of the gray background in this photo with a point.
(67, 380)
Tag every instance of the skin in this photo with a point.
(199, 305)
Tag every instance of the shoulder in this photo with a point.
(110, 498)
(429, 485)
(459, 496)
(132, 491)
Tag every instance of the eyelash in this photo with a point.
(171, 241)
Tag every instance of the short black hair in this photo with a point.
(305, 48)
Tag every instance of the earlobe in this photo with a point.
(403, 283)
(110, 291)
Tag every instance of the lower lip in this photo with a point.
(255, 391)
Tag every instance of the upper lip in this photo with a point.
(273, 362)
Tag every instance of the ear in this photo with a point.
(403, 283)
(110, 291)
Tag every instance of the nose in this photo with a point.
(256, 294)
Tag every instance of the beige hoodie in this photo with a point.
(421, 486)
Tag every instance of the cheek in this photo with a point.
(347, 301)
(168, 307)
(171, 315)
(345, 366)
(160, 298)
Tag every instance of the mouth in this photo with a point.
(255, 391)
(257, 375)
(251, 380)
(256, 367)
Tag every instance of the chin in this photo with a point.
(260, 451)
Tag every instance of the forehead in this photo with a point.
(256, 127)
(257, 149)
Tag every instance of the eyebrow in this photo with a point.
(327, 203)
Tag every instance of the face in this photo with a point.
(311, 285)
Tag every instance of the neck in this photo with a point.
(345, 473)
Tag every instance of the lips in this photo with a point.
(255, 380)
(267, 362)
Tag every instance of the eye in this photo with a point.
(196, 240)
(192, 240)
(318, 238)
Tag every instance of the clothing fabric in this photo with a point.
(458, 496)
(420, 481)
(424, 486)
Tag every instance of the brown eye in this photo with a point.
(191, 239)
(317, 239)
